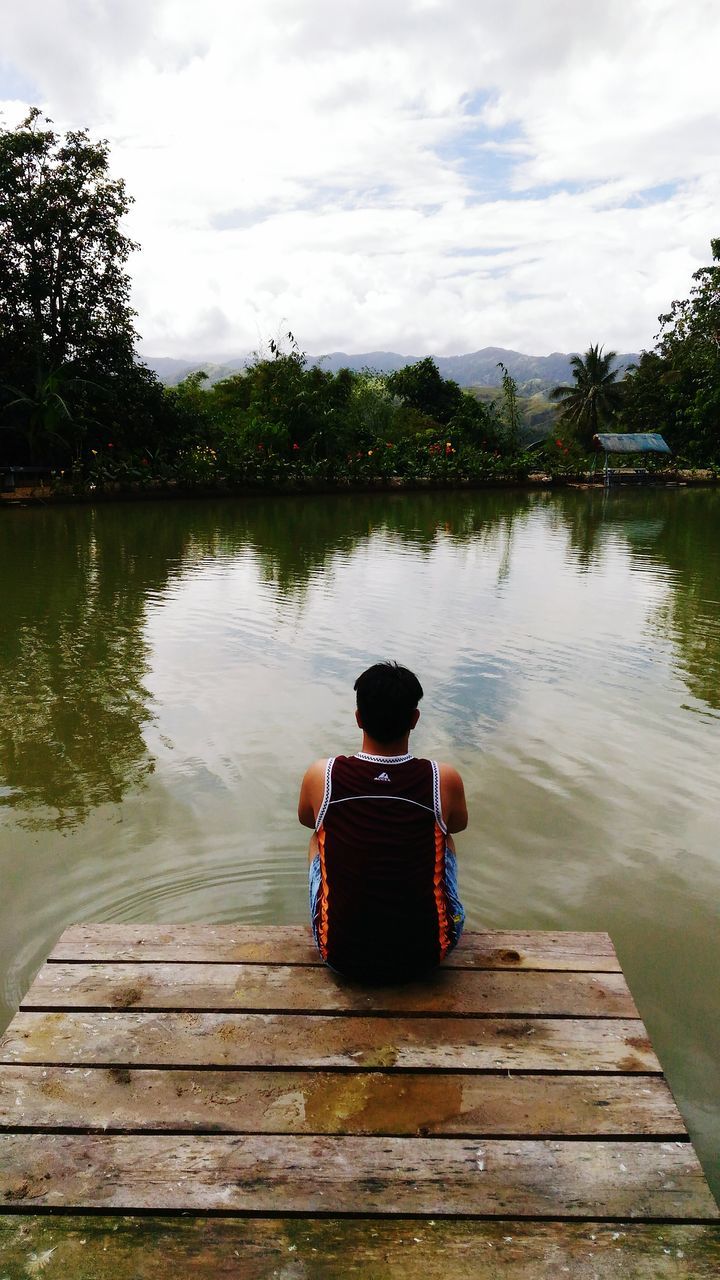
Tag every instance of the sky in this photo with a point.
(422, 176)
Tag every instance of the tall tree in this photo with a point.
(64, 290)
(596, 397)
(511, 411)
(696, 318)
(675, 388)
(422, 387)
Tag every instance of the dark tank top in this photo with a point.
(382, 909)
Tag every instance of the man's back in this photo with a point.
(383, 910)
(383, 878)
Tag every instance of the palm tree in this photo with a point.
(44, 413)
(596, 397)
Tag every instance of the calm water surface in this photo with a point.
(168, 670)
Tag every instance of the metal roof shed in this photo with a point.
(640, 442)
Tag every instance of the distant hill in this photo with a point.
(533, 374)
(478, 368)
(171, 371)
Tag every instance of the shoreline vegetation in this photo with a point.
(45, 495)
(89, 421)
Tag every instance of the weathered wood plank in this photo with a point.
(143, 1248)
(298, 1040)
(326, 1175)
(335, 1102)
(292, 944)
(312, 990)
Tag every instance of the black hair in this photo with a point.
(387, 695)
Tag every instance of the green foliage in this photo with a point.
(675, 389)
(512, 415)
(562, 455)
(372, 412)
(64, 292)
(43, 409)
(593, 402)
(420, 387)
(280, 422)
(537, 415)
(67, 336)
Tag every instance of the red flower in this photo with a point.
(111, 446)
(145, 462)
(559, 444)
(296, 445)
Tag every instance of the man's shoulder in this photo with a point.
(318, 767)
(448, 772)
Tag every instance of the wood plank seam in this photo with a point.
(496, 949)
(380, 1015)
(315, 965)
(551, 1072)
(350, 1216)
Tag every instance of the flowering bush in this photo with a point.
(246, 460)
(564, 456)
(119, 469)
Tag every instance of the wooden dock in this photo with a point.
(211, 1099)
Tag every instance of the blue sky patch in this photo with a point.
(651, 195)
(14, 85)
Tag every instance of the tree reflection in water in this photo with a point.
(676, 532)
(689, 544)
(295, 539)
(75, 583)
(72, 655)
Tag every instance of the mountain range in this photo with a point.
(478, 368)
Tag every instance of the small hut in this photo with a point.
(640, 442)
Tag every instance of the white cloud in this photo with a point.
(423, 176)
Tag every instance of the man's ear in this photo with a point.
(415, 718)
(358, 721)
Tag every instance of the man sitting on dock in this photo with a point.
(383, 887)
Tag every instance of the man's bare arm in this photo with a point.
(452, 798)
(311, 793)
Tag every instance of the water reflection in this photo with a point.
(76, 582)
(676, 533)
(73, 656)
(295, 539)
(72, 662)
(689, 544)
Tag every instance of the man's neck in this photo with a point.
(372, 748)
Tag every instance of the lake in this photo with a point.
(168, 669)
